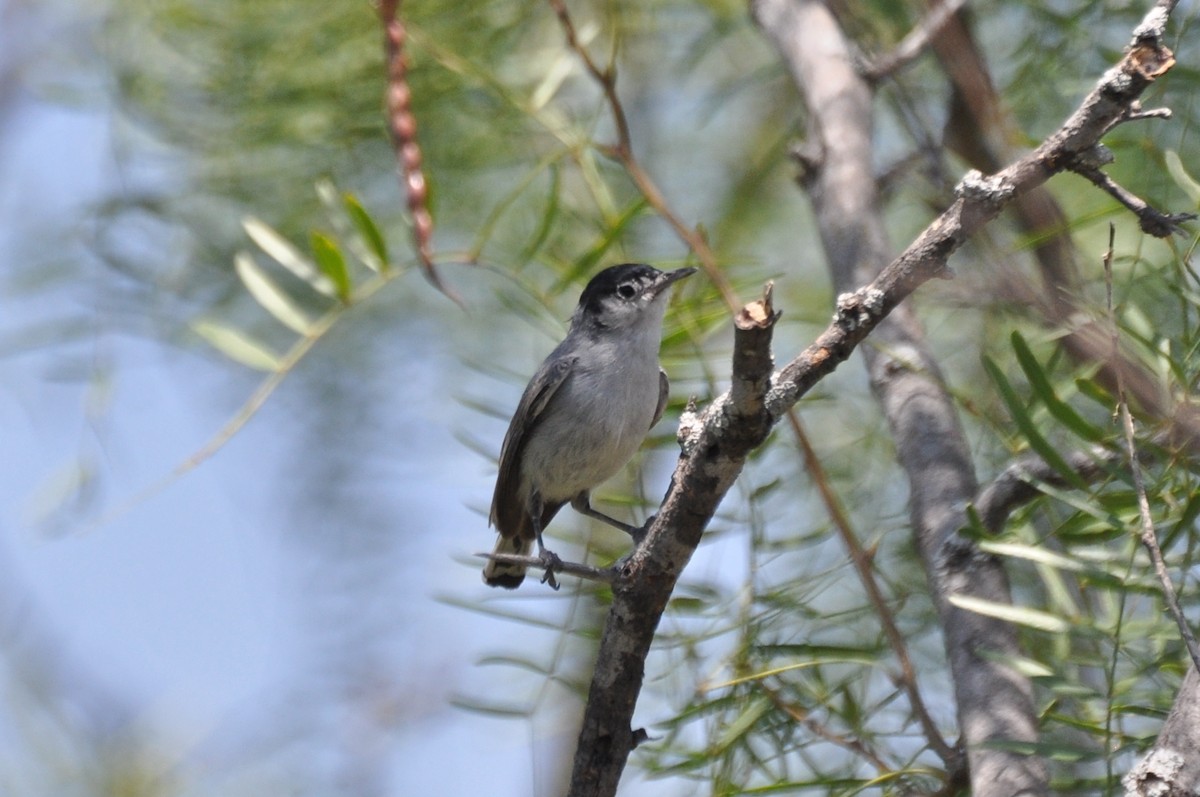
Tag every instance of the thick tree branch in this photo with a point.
(716, 442)
(994, 701)
(1172, 767)
(715, 445)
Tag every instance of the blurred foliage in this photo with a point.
(772, 673)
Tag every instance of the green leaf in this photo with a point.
(1097, 393)
(742, 725)
(234, 344)
(285, 254)
(332, 263)
(1028, 429)
(1033, 554)
(491, 709)
(587, 262)
(369, 231)
(268, 294)
(513, 661)
(1040, 384)
(1019, 615)
(801, 665)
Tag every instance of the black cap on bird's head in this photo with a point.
(618, 291)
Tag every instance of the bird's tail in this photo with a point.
(503, 574)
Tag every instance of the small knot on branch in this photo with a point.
(976, 185)
(637, 738)
(691, 424)
(858, 308)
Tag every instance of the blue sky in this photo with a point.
(192, 613)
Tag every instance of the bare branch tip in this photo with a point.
(759, 314)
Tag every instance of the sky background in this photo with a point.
(192, 619)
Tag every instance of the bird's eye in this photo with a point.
(626, 291)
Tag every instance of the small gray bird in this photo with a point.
(584, 413)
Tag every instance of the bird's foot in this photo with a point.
(639, 532)
(551, 562)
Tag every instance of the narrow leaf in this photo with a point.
(1028, 429)
(287, 255)
(492, 709)
(1032, 553)
(1181, 177)
(758, 676)
(1040, 384)
(369, 231)
(332, 263)
(1019, 615)
(268, 294)
(742, 725)
(234, 344)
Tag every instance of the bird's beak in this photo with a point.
(667, 279)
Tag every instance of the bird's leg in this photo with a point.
(582, 504)
(550, 560)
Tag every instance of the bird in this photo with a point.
(583, 415)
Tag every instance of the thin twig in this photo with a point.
(604, 575)
(915, 43)
(622, 152)
(804, 717)
(1148, 537)
(1152, 221)
(862, 565)
(1022, 481)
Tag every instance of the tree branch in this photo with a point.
(1153, 222)
(716, 442)
(622, 152)
(916, 42)
(1018, 484)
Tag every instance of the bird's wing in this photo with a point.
(507, 506)
(664, 389)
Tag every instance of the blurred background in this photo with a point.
(299, 613)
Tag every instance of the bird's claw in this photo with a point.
(551, 562)
(638, 533)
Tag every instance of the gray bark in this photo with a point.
(994, 702)
(1172, 767)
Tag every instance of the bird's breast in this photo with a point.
(593, 426)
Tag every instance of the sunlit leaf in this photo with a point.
(286, 255)
(1019, 615)
(235, 345)
(268, 294)
(1033, 554)
(750, 716)
(800, 665)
